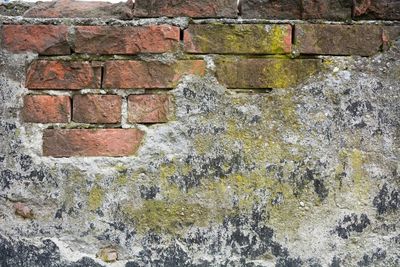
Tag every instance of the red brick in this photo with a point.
(43, 74)
(377, 9)
(149, 108)
(238, 73)
(238, 39)
(46, 109)
(363, 40)
(91, 143)
(97, 108)
(186, 8)
(327, 9)
(126, 74)
(41, 39)
(80, 9)
(21, 209)
(126, 40)
(271, 9)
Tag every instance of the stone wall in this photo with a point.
(200, 133)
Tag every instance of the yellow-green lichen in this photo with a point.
(240, 39)
(172, 218)
(265, 72)
(95, 198)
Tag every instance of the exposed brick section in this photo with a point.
(186, 8)
(141, 74)
(43, 74)
(389, 34)
(327, 9)
(264, 73)
(377, 9)
(238, 39)
(97, 108)
(46, 109)
(21, 209)
(88, 142)
(126, 40)
(271, 9)
(149, 108)
(41, 39)
(363, 40)
(80, 9)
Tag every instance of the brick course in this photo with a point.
(89, 142)
(97, 108)
(126, 74)
(189, 8)
(41, 39)
(44, 74)
(150, 108)
(126, 40)
(46, 109)
(238, 39)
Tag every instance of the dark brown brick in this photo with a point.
(271, 9)
(126, 40)
(327, 9)
(97, 108)
(41, 39)
(126, 74)
(150, 108)
(238, 39)
(377, 9)
(323, 39)
(264, 73)
(44, 74)
(46, 109)
(91, 143)
(186, 8)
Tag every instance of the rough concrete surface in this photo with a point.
(307, 176)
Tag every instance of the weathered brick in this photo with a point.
(363, 40)
(271, 9)
(41, 39)
(126, 40)
(23, 210)
(46, 109)
(327, 9)
(89, 142)
(80, 9)
(377, 9)
(238, 39)
(186, 8)
(126, 74)
(264, 72)
(389, 35)
(44, 74)
(149, 108)
(97, 108)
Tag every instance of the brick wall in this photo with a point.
(261, 54)
(200, 133)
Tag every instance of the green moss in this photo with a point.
(172, 218)
(95, 199)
